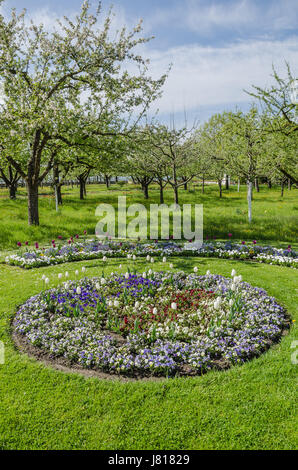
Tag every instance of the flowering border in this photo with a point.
(94, 249)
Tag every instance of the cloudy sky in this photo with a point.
(218, 48)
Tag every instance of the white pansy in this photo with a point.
(208, 273)
(97, 286)
(217, 303)
(155, 311)
(137, 304)
(103, 281)
(144, 275)
(174, 306)
(116, 303)
(79, 290)
(60, 276)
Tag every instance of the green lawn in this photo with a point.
(248, 407)
(275, 219)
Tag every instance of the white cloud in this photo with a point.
(236, 16)
(208, 76)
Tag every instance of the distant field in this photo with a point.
(275, 219)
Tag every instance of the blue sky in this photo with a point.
(218, 48)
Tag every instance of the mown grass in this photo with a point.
(247, 407)
(274, 218)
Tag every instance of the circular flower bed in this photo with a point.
(152, 323)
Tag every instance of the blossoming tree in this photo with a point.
(75, 74)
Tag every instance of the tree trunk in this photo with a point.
(82, 187)
(107, 180)
(185, 186)
(146, 192)
(12, 191)
(257, 185)
(220, 188)
(227, 182)
(59, 194)
(176, 195)
(161, 196)
(239, 181)
(289, 184)
(249, 199)
(269, 184)
(282, 189)
(203, 185)
(33, 216)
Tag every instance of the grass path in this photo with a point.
(247, 407)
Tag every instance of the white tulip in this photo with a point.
(148, 258)
(79, 290)
(77, 272)
(231, 302)
(83, 269)
(47, 280)
(151, 260)
(120, 266)
(66, 274)
(103, 281)
(155, 311)
(134, 257)
(164, 260)
(171, 265)
(126, 275)
(208, 273)
(150, 271)
(97, 286)
(104, 259)
(43, 277)
(60, 276)
(233, 286)
(128, 256)
(144, 275)
(137, 304)
(174, 306)
(233, 273)
(110, 303)
(195, 269)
